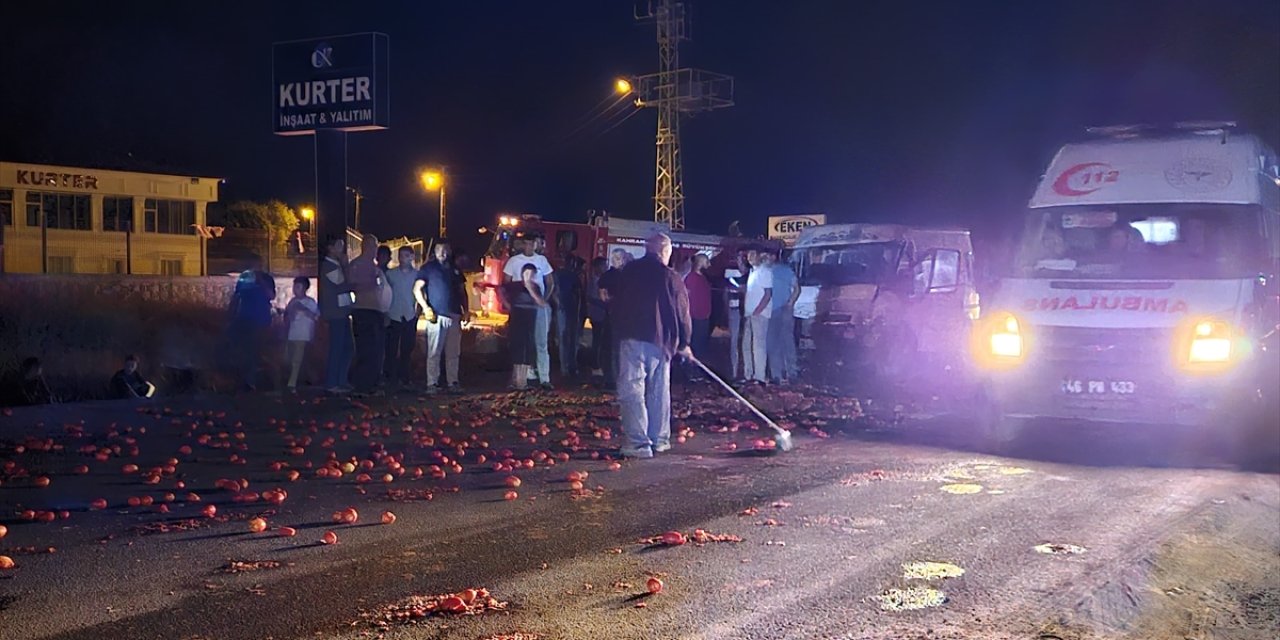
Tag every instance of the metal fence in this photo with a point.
(237, 249)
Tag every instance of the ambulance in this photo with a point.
(1144, 289)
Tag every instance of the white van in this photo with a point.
(1144, 287)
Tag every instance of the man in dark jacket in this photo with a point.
(652, 325)
(250, 318)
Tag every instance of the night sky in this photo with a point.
(931, 112)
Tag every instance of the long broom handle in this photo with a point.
(737, 395)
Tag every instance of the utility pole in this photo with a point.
(358, 197)
(674, 90)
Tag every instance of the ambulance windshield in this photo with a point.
(1188, 241)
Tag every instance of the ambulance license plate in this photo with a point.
(1087, 387)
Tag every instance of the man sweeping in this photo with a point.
(652, 325)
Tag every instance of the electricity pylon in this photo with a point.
(672, 91)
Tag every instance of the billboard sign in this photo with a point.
(339, 82)
(787, 228)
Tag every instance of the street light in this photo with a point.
(307, 214)
(622, 86)
(433, 180)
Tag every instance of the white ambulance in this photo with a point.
(1144, 288)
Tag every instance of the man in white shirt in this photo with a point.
(402, 329)
(532, 254)
(757, 307)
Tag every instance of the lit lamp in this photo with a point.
(622, 86)
(308, 214)
(433, 180)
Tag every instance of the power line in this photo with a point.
(617, 124)
(595, 114)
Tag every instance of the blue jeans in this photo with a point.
(341, 349)
(541, 333)
(781, 345)
(644, 393)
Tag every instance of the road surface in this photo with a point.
(881, 529)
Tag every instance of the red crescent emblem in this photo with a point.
(1062, 187)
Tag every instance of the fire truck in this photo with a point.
(596, 238)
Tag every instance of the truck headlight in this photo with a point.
(1006, 341)
(999, 341)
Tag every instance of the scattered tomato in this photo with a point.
(388, 517)
(329, 537)
(654, 585)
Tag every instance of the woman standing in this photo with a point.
(524, 297)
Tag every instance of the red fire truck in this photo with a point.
(596, 238)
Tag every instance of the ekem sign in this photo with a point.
(331, 83)
(787, 228)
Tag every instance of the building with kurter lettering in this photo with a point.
(77, 220)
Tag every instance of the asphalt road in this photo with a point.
(1140, 535)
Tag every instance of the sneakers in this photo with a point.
(546, 386)
(660, 448)
(639, 454)
(456, 389)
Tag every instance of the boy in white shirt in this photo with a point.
(300, 316)
(532, 254)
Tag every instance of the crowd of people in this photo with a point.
(371, 311)
(370, 307)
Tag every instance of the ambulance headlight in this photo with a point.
(1210, 345)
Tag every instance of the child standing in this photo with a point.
(300, 316)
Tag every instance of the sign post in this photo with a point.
(787, 228)
(326, 87)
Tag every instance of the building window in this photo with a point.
(170, 267)
(169, 216)
(33, 209)
(117, 214)
(62, 264)
(6, 207)
(60, 210)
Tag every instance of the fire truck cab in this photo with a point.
(1144, 288)
(597, 238)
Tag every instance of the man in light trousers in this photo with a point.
(439, 293)
(653, 326)
(757, 306)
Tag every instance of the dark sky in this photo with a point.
(921, 111)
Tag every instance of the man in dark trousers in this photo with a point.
(653, 326)
(367, 317)
(335, 307)
(610, 288)
(568, 314)
(250, 313)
